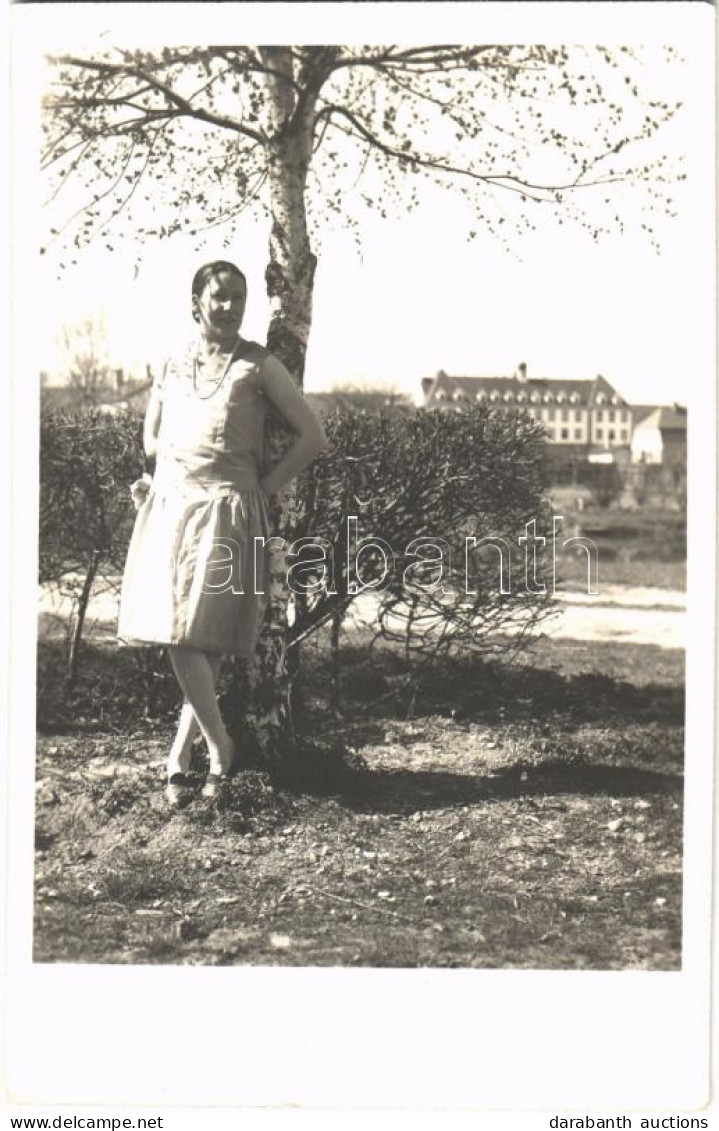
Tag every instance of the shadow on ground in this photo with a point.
(491, 692)
(559, 685)
(403, 792)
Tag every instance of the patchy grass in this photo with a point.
(654, 574)
(524, 816)
(645, 547)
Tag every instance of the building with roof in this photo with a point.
(580, 416)
(357, 399)
(660, 435)
(119, 392)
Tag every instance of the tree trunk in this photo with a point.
(290, 279)
(83, 602)
(335, 695)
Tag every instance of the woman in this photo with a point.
(195, 574)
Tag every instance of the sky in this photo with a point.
(417, 295)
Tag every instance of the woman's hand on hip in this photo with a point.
(139, 490)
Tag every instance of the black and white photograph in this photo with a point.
(368, 390)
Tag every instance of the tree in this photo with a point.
(86, 366)
(365, 398)
(437, 500)
(202, 133)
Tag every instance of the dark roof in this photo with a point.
(640, 411)
(586, 390)
(669, 416)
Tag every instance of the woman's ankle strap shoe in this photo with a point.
(178, 790)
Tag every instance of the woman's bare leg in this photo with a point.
(196, 673)
(188, 728)
(178, 760)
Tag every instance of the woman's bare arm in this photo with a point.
(311, 439)
(153, 417)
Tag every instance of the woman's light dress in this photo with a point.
(196, 566)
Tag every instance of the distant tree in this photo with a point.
(86, 368)
(370, 398)
(183, 139)
(606, 482)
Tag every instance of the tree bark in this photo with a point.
(335, 696)
(290, 279)
(83, 602)
(291, 264)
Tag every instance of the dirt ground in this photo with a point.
(485, 816)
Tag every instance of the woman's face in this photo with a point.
(221, 307)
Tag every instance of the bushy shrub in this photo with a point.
(430, 476)
(434, 478)
(87, 462)
(605, 480)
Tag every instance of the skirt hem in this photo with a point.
(202, 646)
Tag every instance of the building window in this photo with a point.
(577, 414)
(564, 433)
(600, 415)
(624, 435)
(611, 434)
(600, 433)
(611, 415)
(577, 433)
(565, 414)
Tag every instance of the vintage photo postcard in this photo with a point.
(361, 599)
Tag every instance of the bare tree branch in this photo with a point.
(502, 180)
(185, 107)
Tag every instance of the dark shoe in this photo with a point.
(213, 786)
(214, 783)
(178, 791)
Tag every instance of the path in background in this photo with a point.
(618, 613)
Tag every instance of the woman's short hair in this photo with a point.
(208, 271)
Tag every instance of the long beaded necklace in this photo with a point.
(218, 382)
